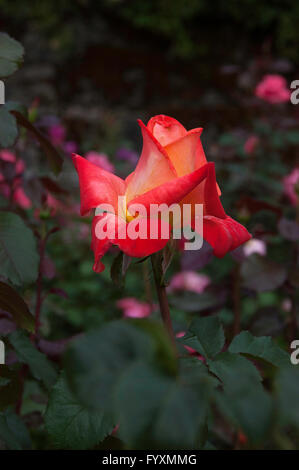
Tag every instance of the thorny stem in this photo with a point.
(163, 303)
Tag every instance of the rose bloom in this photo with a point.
(189, 280)
(273, 88)
(290, 182)
(132, 308)
(172, 169)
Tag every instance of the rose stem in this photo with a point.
(236, 300)
(147, 283)
(163, 302)
(39, 282)
(38, 304)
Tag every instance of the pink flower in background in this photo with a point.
(189, 280)
(286, 305)
(70, 147)
(57, 134)
(126, 154)
(7, 156)
(255, 246)
(21, 199)
(251, 144)
(133, 308)
(290, 182)
(53, 203)
(14, 187)
(101, 160)
(273, 88)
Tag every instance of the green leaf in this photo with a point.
(287, 405)
(13, 431)
(205, 335)
(8, 128)
(18, 254)
(249, 409)
(261, 274)
(41, 368)
(159, 410)
(16, 106)
(53, 156)
(262, 347)
(71, 425)
(243, 400)
(138, 396)
(235, 371)
(164, 350)
(95, 361)
(12, 302)
(193, 372)
(11, 55)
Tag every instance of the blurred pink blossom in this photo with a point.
(21, 199)
(290, 182)
(251, 144)
(255, 246)
(273, 88)
(101, 160)
(189, 280)
(7, 156)
(53, 203)
(286, 305)
(57, 134)
(14, 187)
(70, 147)
(133, 308)
(127, 154)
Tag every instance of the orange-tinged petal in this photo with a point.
(206, 193)
(173, 191)
(165, 129)
(186, 153)
(153, 168)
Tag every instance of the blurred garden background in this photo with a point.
(89, 70)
